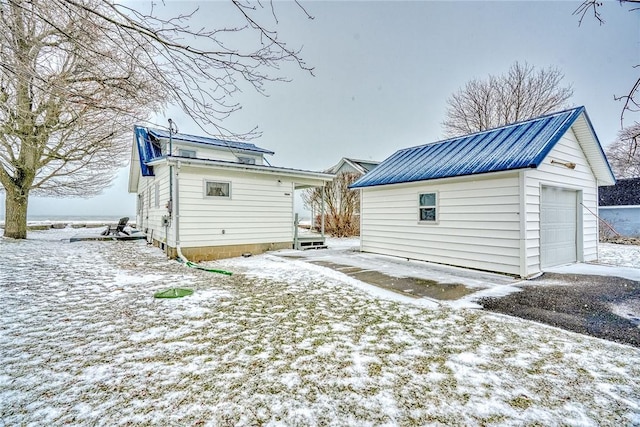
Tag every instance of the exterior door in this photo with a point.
(558, 226)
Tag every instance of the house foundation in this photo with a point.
(211, 253)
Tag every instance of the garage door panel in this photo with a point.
(558, 226)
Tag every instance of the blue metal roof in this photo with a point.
(516, 146)
(235, 145)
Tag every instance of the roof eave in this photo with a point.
(172, 160)
(482, 174)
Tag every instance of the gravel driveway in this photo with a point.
(604, 307)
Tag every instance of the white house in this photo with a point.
(516, 199)
(204, 198)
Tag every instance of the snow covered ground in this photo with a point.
(281, 342)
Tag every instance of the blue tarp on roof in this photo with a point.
(515, 146)
(244, 146)
(147, 151)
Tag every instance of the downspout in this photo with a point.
(322, 212)
(172, 128)
(177, 216)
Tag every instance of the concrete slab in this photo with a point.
(418, 279)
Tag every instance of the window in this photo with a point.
(217, 189)
(187, 153)
(157, 195)
(247, 160)
(428, 207)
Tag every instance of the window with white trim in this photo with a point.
(428, 207)
(157, 195)
(217, 189)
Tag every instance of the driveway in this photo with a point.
(598, 300)
(601, 306)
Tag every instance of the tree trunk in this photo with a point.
(15, 219)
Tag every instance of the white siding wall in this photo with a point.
(260, 209)
(581, 178)
(152, 215)
(478, 226)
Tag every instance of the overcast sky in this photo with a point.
(384, 70)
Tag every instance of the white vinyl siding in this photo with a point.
(259, 211)
(150, 215)
(478, 222)
(580, 179)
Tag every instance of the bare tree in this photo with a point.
(76, 74)
(341, 205)
(520, 94)
(631, 99)
(624, 153)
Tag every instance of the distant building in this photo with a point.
(620, 206)
(343, 216)
(359, 167)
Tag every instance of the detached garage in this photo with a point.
(515, 200)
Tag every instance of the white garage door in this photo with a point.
(558, 226)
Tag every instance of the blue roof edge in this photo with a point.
(559, 133)
(355, 184)
(604, 156)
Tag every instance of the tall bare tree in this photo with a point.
(76, 74)
(522, 93)
(624, 153)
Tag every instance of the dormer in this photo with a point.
(155, 143)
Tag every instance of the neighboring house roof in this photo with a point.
(516, 146)
(358, 166)
(626, 192)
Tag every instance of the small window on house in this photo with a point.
(428, 208)
(148, 198)
(157, 195)
(217, 189)
(140, 203)
(187, 153)
(247, 160)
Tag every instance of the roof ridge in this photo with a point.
(519, 123)
(177, 134)
(519, 145)
(360, 160)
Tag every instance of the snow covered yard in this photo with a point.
(281, 342)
